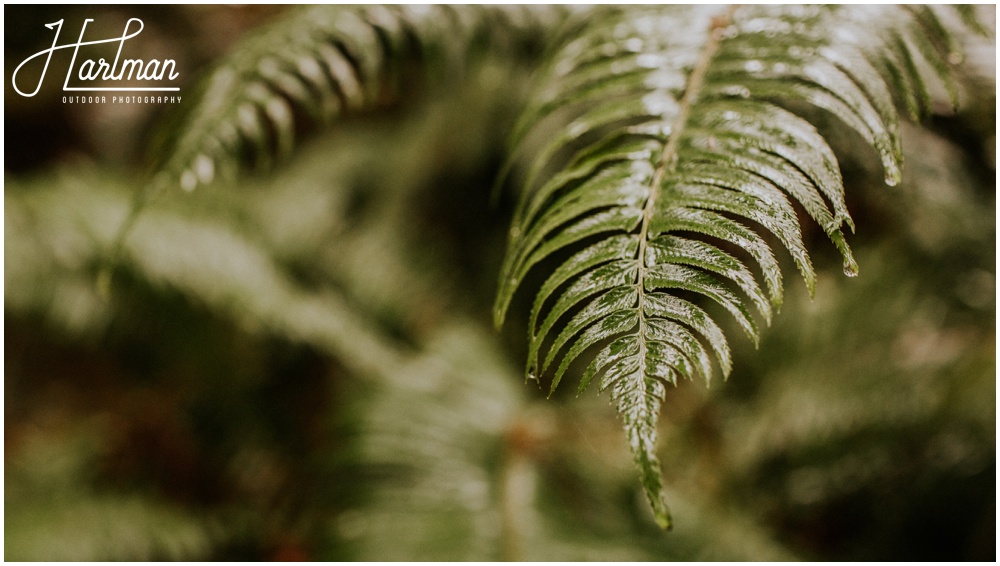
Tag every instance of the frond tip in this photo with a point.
(696, 151)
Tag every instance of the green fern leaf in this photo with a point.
(679, 137)
(323, 63)
(314, 67)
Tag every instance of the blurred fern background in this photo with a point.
(302, 364)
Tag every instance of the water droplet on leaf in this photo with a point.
(893, 175)
(851, 268)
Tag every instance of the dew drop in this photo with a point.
(850, 267)
(737, 91)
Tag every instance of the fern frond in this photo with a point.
(680, 138)
(321, 64)
(312, 68)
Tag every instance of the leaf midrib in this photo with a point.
(668, 160)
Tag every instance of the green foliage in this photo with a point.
(43, 488)
(670, 132)
(318, 337)
(669, 140)
(321, 64)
